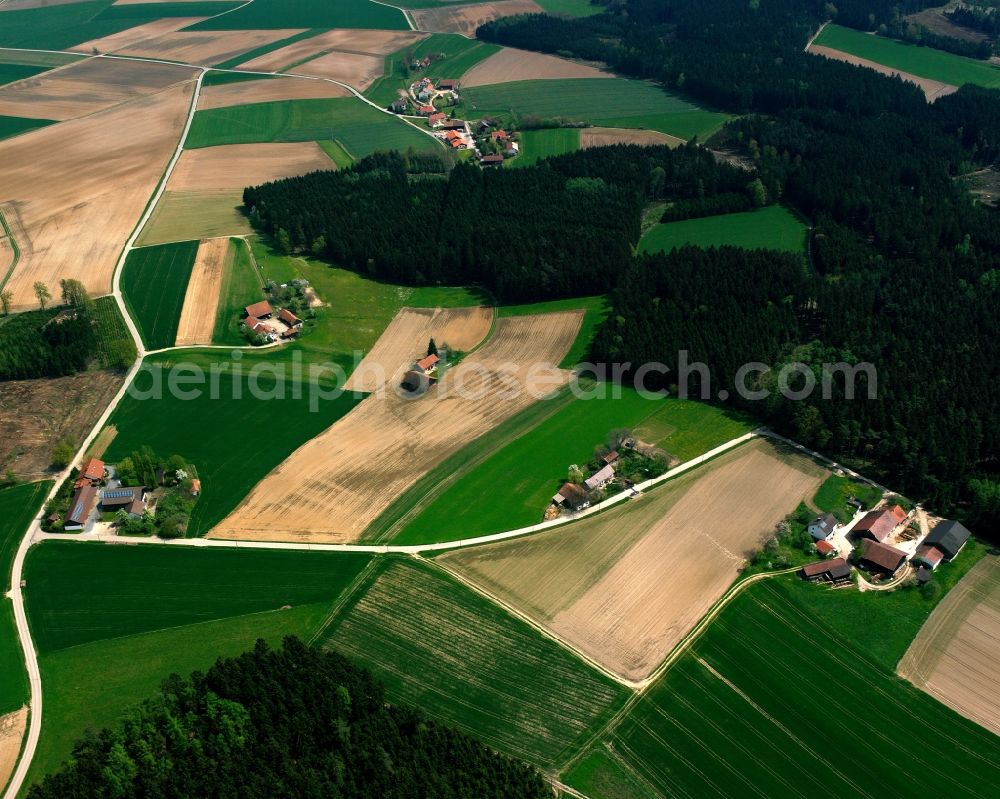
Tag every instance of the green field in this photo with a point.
(233, 438)
(774, 703)
(359, 128)
(38, 59)
(80, 593)
(154, 280)
(337, 153)
(460, 55)
(926, 62)
(92, 686)
(115, 347)
(11, 72)
(18, 506)
(613, 102)
(466, 662)
(538, 144)
(58, 27)
(12, 126)
(240, 287)
(570, 8)
(270, 14)
(137, 13)
(521, 476)
(773, 228)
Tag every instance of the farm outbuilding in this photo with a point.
(131, 500)
(877, 557)
(930, 557)
(572, 496)
(824, 548)
(877, 525)
(600, 478)
(837, 570)
(260, 310)
(80, 508)
(949, 537)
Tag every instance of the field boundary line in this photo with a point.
(14, 248)
(405, 12)
(348, 593)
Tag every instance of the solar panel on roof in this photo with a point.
(118, 493)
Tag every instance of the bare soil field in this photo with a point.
(20, 5)
(511, 65)
(36, 414)
(74, 192)
(86, 87)
(360, 42)
(932, 89)
(354, 69)
(12, 727)
(201, 214)
(235, 166)
(602, 137)
(624, 587)
(403, 342)
(202, 296)
(6, 257)
(332, 488)
(205, 47)
(133, 37)
(465, 19)
(956, 655)
(266, 91)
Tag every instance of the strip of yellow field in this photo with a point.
(201, 300)
(932, 89)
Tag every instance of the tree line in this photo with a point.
(294, 722)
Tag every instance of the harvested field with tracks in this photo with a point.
(235, 166)
(202, 297)
(511, 65)
(196, 214)
(135, 37)
(403, 341)
(354, 69)
(956, 656)
(345, 41)
(12, 727)
(74, 192)
(332, 488)
(465, 19)
(602, 137)
(266, 91)
(624, 587)
(932, 89)
(87, 87)
(36, 414)
(205, 47)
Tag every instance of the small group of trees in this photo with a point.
(143, 467)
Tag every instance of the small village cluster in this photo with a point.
(881, 542)
(262, 321)
(578, 496)
(489, 143)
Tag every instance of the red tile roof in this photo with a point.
(882, 555)
(498, 134)
(822, 567)
(428, 362)
(825, 547)
(93, 469)
(930, 555)
(262, 308)
(877, 524)
(492, 159)
(289, 318)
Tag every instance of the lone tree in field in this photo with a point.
(42, 294)
(432, 348)
(5, 300)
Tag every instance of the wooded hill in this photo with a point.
(296, 723)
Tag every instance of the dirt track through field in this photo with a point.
(133, 37)
(87, 87)
(267, 91)
(205, 48)
(602, 137)
(12, 728)
(360, 42)
(932, 89)
(201, 299)
(956, 655)
(625, 586)
(408, 334)
(510, 65)
(76, 190)
(465, 19)
(236, 166)
(332, 488)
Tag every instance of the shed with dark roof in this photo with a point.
(949, 536)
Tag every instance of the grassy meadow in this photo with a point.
(12, 72)
(18, 505)
(735, 716)
(611, 102)
(521, 475)
(154, 281)
(196, 214)
(14, 126)
(539, 144)
(772, 228)
(459, 56)
(466, 662)
(925, 62)
(271, 14)
(359, 128)
(240, 287)
(570, 8)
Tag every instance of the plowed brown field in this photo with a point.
(364, 42)
(602, 137)
(134, 37)
(625, 586)
(205, 47)
(236, 166)
(332, 488)
(201, 299)
(75, 191)
(956, 655)
(510, 65)
(266, 91)
(12, 728)
(465, 19)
